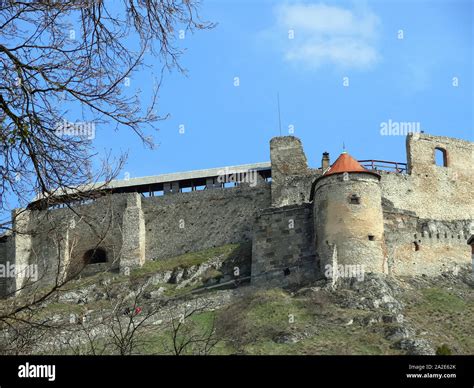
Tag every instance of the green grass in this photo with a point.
(436, 299)
(346, 340)
(101, 277)
(331, 340)
(253, 325)
(63, 308)
(447, 318)
(277, 309)
(159, 341)
(184, 261)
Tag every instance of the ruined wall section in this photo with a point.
(434, 192)
(186, 222)
(63, 236)
(417, 246)
(282, 248)
(131, 229)
(291, 177)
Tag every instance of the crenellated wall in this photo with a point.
(429, 212)
(424, 246)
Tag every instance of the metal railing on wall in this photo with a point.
(384, 165)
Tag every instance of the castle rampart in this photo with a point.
(394, 222)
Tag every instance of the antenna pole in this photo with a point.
(279, 114)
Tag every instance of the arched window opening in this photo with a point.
(94, 256)
(441, 157)
(416, 246)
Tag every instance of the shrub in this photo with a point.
(443, 350)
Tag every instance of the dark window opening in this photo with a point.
(371, 237)
(94, 256)
(286, 272)
(441, 157)
(354, 199)
(416, 246)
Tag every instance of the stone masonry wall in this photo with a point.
(185, 222)
(291, 177)
(435, 192)
(282, 249)
(355, 230)
(61, 237)
(133, 234)
(424, 246)
(431, 206)
(132, 229)
(3, 260)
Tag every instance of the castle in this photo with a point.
(393, 218)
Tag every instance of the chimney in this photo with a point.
(325, 161)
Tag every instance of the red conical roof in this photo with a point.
(346, 163)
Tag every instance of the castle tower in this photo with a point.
(288, 164)
(348, 216)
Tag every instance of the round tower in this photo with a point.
(348, 219)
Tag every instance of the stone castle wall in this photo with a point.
(439, 198)
(429, 212)
(186, 222)
(424, 246)
(3, 259)
(431, 206)
(132, 229)
(57, 240)
(291, 177)
(283, 247)
(436, 192)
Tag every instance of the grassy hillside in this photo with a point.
(377, 316)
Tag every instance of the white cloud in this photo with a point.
(329, 35)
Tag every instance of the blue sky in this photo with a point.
(405, 80)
